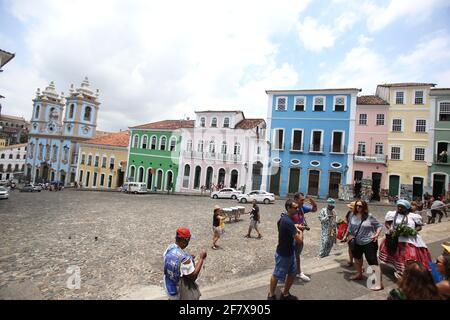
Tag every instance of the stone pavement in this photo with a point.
(329, 279)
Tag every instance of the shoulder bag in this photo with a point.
(352, 243)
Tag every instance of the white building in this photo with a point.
(223, 148)
(12, 161)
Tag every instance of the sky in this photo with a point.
(155, 60)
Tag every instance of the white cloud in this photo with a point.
(411, 11)
(363, 40)
(154, 60)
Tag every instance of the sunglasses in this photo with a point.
(294, 208)
(359, 205)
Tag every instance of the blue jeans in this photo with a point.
(284, 266)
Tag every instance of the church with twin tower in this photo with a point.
(58, 125)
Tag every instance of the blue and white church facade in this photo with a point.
(58, 125)
(311, 134)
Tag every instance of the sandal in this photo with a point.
(259, 237)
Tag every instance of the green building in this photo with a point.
(439, 166)
(154, 153)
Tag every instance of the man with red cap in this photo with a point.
(178, 263)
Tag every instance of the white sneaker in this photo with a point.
(304, 277)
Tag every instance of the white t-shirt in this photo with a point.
(437, 205)
(411, 221)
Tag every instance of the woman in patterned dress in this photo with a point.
(327, 217)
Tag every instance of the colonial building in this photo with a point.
(224, 148)
(312, 139)
(13, 129)
(12, 161)
(154, 153)
(409, 114)
(102, 161)
(371, 141)
(439, 160)
(58, 125)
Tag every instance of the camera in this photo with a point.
(307, 228)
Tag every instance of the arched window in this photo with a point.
(173, 144)
(226, 122)
(162, 144)
(159, 181)
(132, 172)
(135, 141)
(10, 156)
(71, 110)
(87, 114)
(224, 147)
(154, 142)
(187, 173)
(144, 142)
(141, 174)
(214, 122)
(36, 114)
(202, 122)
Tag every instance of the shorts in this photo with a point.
(253, 224)
(284, 266)
(298, 248)
(369, 250)
(217, 231)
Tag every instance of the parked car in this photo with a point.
(4, 194)
(136, 187)
(226, 193)
(260, 196)
(31, 188)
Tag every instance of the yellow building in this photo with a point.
(102, 161)
(409, 122)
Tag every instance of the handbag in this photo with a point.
(189, 289)
(341, 230)
(352, 243)
(392, 238)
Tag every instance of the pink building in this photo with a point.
(371, 143)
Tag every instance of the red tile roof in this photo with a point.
(407, 84)
(167, 124)
(249, 123)
(370, 100)
(118, 139)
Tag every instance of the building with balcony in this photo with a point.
(102, 161)
(58, 125)
(13, 129)
(439, 160)
(12, 161)
(311, 134)
(154, 153)
(371, 141)
(409, 122)
(223, 148)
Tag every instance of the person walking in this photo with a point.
(416, 284)
(327, 217)
(363, 232)
(438, 208)
(285, 267)
(180, 269)
(300, 222)
(402, 241)
(254, 220)
(218, 219)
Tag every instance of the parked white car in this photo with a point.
(4, 194)
(226, 193)
(260, 196)
(135, 187)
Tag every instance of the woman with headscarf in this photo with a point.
(327, 217)
(402, 240)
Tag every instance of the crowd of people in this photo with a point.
(402, 247)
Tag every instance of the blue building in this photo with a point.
(58, 125)
(311, 134)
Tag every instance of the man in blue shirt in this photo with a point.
(178, 263)
(285, 267)
(299, 221)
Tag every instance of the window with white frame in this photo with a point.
(237, 148)
(361, 148)
(339, 104)
(189, 145)
(89, 162)
(300, 104)
(200, 146)
(363, 119)
(380, 119)
(297, 140)
(162, 144)
(135, 141)
(421, 125)
(419, 154)
(173, 144)
(278, 143)
(83, 158)
(337, 144)
(418, 97)
(444, 111)
(111, 163)
(212, 147)
(319, 104)
(144, 142)
(281, 103)
(397, 125)
(214, 122)
(226, 122)
(379, 148)
(97, 159)
(399, 97)
(224, 147)
(102, 180)
(396, 153)
(104, 159)
(154, 142)
(316, 141)
(202, 122)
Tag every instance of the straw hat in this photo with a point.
(351, 205)
(216, 207)
(446, 246)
